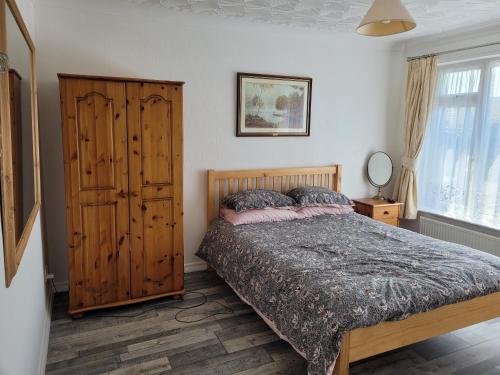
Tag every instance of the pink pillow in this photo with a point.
(310, 211)
(265, 215)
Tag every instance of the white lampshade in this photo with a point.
(386, 17)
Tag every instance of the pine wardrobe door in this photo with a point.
(155, 155)
(96, 179)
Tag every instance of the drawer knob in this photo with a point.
(386, 212)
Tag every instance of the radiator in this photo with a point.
(453, 233)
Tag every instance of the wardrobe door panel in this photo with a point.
(158, 242)
(98, 239)
(95, 134)
(156, 139)
(96, 179)
(155, 155)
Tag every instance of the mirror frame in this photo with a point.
(368, 170)
(13, 250)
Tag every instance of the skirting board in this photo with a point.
(194, 266)
(62, 286)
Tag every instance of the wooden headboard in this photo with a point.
(222, 183)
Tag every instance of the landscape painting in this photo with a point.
(273, 105)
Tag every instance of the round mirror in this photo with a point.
(380, 170)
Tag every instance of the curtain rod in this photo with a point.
(452, 51)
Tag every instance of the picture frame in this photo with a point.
(273, 105)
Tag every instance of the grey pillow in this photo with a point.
(256, 199)
(316, 195)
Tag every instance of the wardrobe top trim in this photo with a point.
(120, 79)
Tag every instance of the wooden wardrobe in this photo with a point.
(122, 142)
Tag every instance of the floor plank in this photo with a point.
(227, 337)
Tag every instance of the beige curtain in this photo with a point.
(420, 86)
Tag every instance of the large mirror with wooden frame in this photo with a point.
(19, 167)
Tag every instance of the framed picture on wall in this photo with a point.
(270, 105)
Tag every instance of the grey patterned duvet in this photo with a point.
(314, 279)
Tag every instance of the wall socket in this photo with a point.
(49, 276)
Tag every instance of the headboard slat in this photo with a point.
(283, 179)
(222, 184)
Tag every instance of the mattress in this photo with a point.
(314, 279)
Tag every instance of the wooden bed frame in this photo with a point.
(359, 343)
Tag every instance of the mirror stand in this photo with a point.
(379, 195)
(380, 170)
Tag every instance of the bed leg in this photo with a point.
(342, 364)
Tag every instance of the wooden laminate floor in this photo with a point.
(146, 339)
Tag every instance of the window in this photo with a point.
(459, 165)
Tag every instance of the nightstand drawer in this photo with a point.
(385, 212)
(394, 222)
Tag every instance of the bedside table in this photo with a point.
(379, 210)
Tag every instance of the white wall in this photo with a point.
(356, 94)
(24, 306)
(25, 313)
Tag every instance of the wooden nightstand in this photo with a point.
(379, 210)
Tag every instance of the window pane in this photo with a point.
(486, 184)
(495, 82)
(459, 165)
(445, 161)
(460, 82)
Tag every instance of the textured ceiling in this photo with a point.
(432, 16)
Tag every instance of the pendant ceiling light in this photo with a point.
(386, 17)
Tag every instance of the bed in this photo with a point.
(341, 288)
